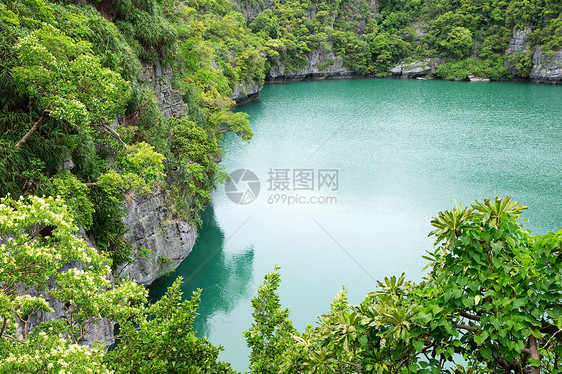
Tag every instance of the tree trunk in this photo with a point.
(34, 128)
(534, 353)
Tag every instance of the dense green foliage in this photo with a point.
(39, 241)
(373, 37)
(67, 74)
(165, 342)
(492, 296)
(39, 237)
(270, 335)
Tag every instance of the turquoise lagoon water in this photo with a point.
(400, 152)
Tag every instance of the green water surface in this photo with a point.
(402, 149)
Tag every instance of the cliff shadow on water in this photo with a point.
(224, 276)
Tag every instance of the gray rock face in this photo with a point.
(547, 67)
(159, 79)
(159, 243)
(251, 9)
(473, 78)
(519, 41)
(420, 30)
(517, 44)
(168, 241)
(246, 92)
(321, 64)
(416, 69)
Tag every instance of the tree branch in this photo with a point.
(116, 135)
(338, 363)
(3, 327)
(14, 338)
(514, 365)
(101, 330)
(33, 128)
(552, 337)
(470, 316)
(468, 328)
(424, 349)
(404, 360)
(355, 359)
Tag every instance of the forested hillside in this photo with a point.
(78, 121)
(373, 36)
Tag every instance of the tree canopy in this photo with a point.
(39, 241)
(492, 297)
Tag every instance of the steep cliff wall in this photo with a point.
(518, 42)
(246, 92)
(251, 8)
(547, 67)
(159, 242)
(158, 79)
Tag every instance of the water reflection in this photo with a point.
(223, 275)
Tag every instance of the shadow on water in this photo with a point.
(223, 276)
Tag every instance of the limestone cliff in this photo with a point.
(159, 242)
(246, 92)
(321, 64)
(416, 69)
(547, 67)
(158, 79)
(250, 9)
(518, 42)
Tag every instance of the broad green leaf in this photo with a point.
(481, 337)
(486, 352)
(418, 344)
(534, 362)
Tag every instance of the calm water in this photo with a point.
(402, 150)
